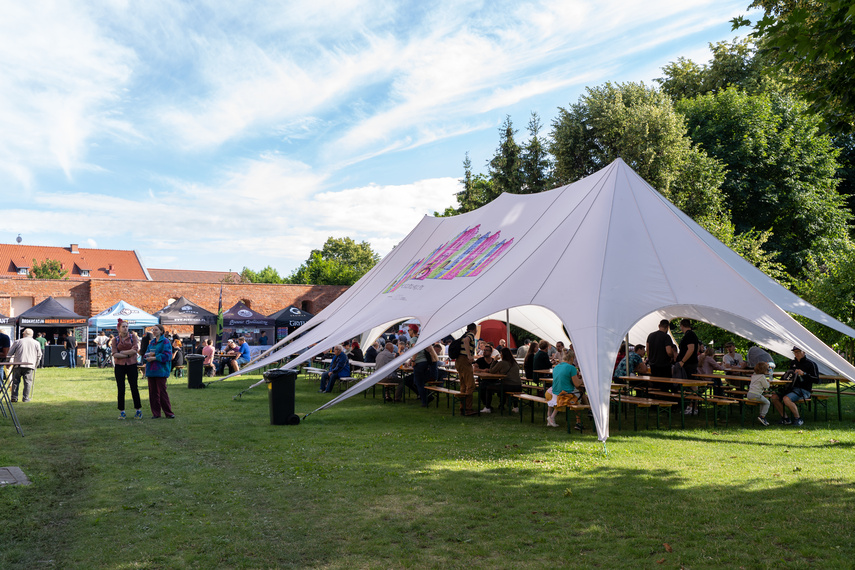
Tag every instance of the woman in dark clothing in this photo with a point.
(528, 364)
(356, 352)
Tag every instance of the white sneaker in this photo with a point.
(696, 411)
(688, 411)
(486, 411)
(551, 423)
(515, 410)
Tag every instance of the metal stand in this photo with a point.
(6, 404)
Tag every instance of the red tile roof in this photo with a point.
(125, 264)
(190, 276)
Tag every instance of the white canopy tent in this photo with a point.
(602, 257)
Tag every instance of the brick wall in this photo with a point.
(92, 297)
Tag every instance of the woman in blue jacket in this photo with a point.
(158, 365)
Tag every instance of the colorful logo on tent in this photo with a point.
(244, 313)
(127, 311)
(469, 254)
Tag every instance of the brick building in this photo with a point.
(98, 278)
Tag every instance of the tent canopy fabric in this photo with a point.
(185, 312)
(594, 258)
(4, 320)
(50, 313)
(291, 316)
(135, 317)
(241, 316)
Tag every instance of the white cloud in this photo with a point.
(62, 77)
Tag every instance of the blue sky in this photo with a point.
(220, 135)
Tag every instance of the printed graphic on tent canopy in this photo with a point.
(467, 255)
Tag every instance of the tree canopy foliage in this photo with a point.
(640, 125)
(47, 269)
(781, 171)
(811, 42)
(341, 261)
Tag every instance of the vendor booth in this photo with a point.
(7, 325)
(56, 322)
(108, 321)
(289, 319)
(240, 320)
(184, 312)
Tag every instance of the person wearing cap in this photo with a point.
(28, 352)
(806, 374)
(731, 358)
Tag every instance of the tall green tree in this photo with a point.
(811, 41)
(831, 288)
(640, 125)
(536, 164)
(477, 191)
(733, 64)
(505, 167)
(341, 261)
(47, 269)
(781, 169)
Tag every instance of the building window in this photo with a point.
(84, 273)
(23, 271)
(306, 306)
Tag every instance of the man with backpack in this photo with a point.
(462, 351)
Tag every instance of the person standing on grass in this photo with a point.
(760, 383)
(564, 390)
(659, 351)
(125, 349)
(158, 365)
(71, 347)
(28, 352)
(687, 357)
(40, 338)
(463, 365)
(208, 353)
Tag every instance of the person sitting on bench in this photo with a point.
(806, 373)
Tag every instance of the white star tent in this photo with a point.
(600, 258)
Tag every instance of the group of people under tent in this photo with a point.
(661, 358)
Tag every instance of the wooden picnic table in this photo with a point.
(683, 383)
(492, 380)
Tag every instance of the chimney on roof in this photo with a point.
(74, 248)
(112, 272)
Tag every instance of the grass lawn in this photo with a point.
(372, 485)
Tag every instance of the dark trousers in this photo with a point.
(158, 399)
(328, 381)
(131, 372)
(421, 376)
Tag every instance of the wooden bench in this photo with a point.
(453, 395)
(717, 401)
(386, 384)
(531, 401)
(346, 380)
(639, 402)
(313, 373)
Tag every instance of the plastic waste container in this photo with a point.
(195, 370)
(281, 387)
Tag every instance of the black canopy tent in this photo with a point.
(289, 319)
(240, 320)
(7, 325)
(185, 312)
(51, 318)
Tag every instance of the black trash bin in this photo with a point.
(195, 370)
(281, 386)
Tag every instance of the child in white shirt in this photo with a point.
(759, 383)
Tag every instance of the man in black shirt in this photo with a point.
(659, 351)
(806, 374)
(687, 357)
